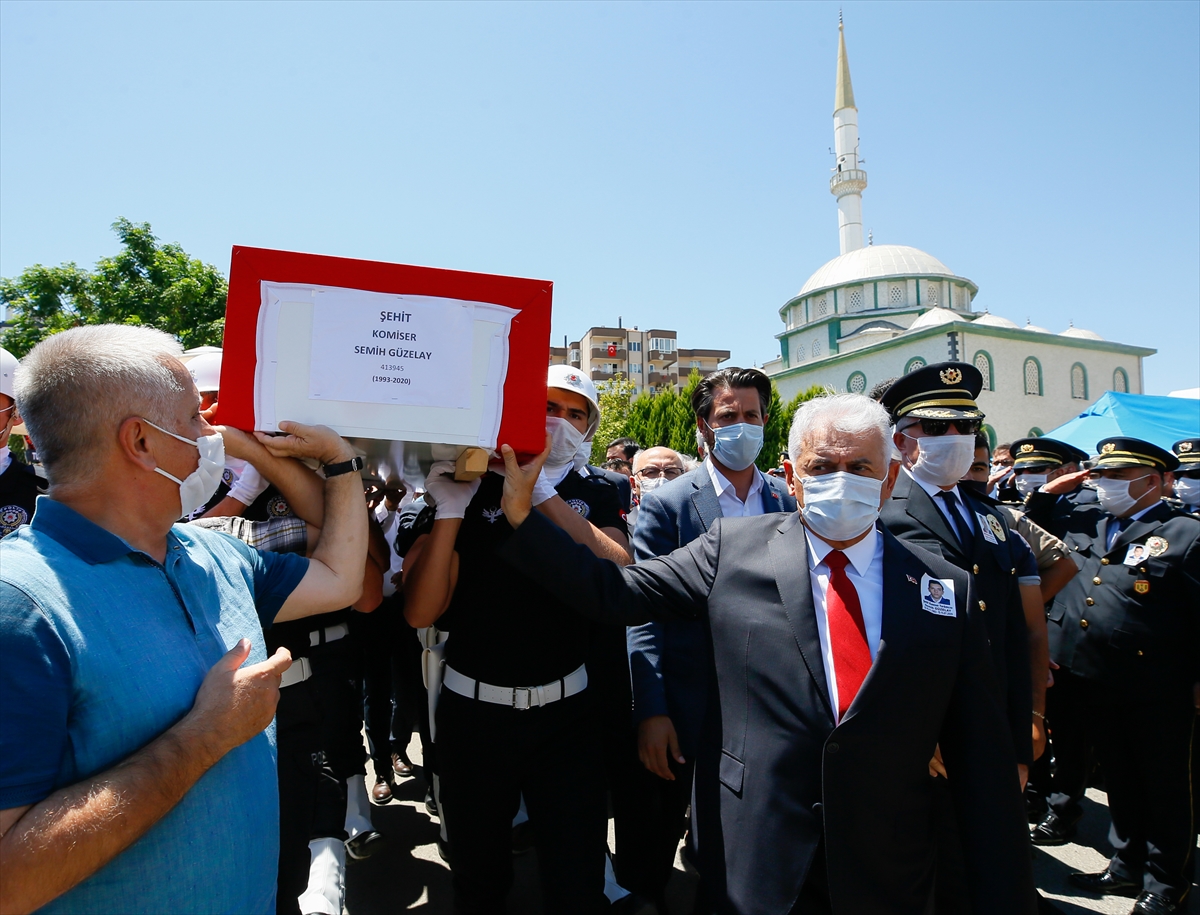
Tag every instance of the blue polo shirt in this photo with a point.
(101, 650)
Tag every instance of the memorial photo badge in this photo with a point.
(1135, 554)
(937, 595)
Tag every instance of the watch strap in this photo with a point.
(334, 470)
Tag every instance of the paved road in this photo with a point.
(408, 874)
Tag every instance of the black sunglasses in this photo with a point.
(941, 426)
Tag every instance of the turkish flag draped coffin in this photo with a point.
(386, 354)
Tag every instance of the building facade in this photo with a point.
(650, 359)
(878, 311)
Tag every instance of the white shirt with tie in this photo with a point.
(865, 571)
(731, 505)
(964, 513)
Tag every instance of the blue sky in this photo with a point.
(663, 162)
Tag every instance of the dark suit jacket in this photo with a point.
(1105, 625)
(774, 774)
(1053, 512)
(911, 515)
(619, 480)
(669, 661)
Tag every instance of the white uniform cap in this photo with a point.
(569, 378)
(206, 371)
(8, 369)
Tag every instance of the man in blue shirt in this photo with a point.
(135, 771)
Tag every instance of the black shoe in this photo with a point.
(1153, 904)
(1053, 830)
(364, 844)
(431, 806)
(1106, 882)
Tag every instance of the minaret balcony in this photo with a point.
(847, 181)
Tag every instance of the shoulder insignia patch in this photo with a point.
(227, 477)
(277, 507)
(580, 506)
(12, 517)
(1141, 586)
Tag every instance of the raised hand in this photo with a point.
(304, 441)
(1065, 483)
(519, 483)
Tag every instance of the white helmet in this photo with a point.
(569, 378)
(8, 369)
(206, 371)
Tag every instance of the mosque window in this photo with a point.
(896, 294)
(983, 362)
(800, 352)
(1033, 377)
(822, 307)
(816, 348)
(1121, 381)
(856, 383)
(856, 300)
(913, 364)
(960, 297)
(931, 292)
(1079, 382)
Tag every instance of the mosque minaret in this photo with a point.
(877, 311)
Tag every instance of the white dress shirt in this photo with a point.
(964, 513)
(731, 505)
(865, 571)
(389, 521)
(1113, 532)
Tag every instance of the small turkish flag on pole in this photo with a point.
(612, 349)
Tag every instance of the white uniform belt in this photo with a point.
(300, 671)
(328, 634)
(520, 697)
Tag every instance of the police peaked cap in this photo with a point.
(1035, 453)
(1121, 451)
(946, 390)
(1187, 451)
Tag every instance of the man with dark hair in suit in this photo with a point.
(831, 685)
(669, 661)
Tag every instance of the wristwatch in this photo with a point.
(335, 470)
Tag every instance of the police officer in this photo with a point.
(1126, 631)
(936, 419)
(1038, 461)
(1187, 477)
(514, 718)
(19, 485)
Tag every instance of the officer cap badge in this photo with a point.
(1141, 586)
(1026, 448)
(1108, 446)
(1156, 546)
(1185, 446)
(950, 376)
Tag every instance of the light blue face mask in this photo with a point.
(738, 445)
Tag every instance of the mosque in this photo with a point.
(878, 311)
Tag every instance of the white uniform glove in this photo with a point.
(449, 497)
(543, 489)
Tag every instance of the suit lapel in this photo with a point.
(707, 505)
(789, 558)
(921, 509)
(1138, 529)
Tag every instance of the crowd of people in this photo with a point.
(863, 681)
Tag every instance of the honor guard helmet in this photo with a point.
(8, 370)
(206, 371)
(569, 378)
(946, 390)
(1044, 454)
(1122, 451)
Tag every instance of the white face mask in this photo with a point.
(565, 441)
(201, 483)
(1114, 495)
(649, 485)
(840, 506)
(943, 459)
(1186, 490)
(1029, 482)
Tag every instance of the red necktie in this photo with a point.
(847, 632)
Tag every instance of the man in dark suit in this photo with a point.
(832, 686)
(1186, 482)
(1126, 635)
(669, 661)
(1039, 461)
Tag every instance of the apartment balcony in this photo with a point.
(659, 378)
(601, 375)
(600, 353)
(665, 358)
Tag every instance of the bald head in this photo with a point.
(655, 466)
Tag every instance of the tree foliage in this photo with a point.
(146, 282)
(666, 419)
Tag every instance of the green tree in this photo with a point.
(614, 396)
(145, 283)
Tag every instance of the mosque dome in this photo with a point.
(876, 262)
(1034, 327)
(990, 320)
(933, 318)
(1080, 334)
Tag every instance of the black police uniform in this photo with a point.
(947, 391)
(510, 632)
(1187, 452)
(19, 488)
(1128, 631)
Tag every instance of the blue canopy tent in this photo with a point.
(1161, 421)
